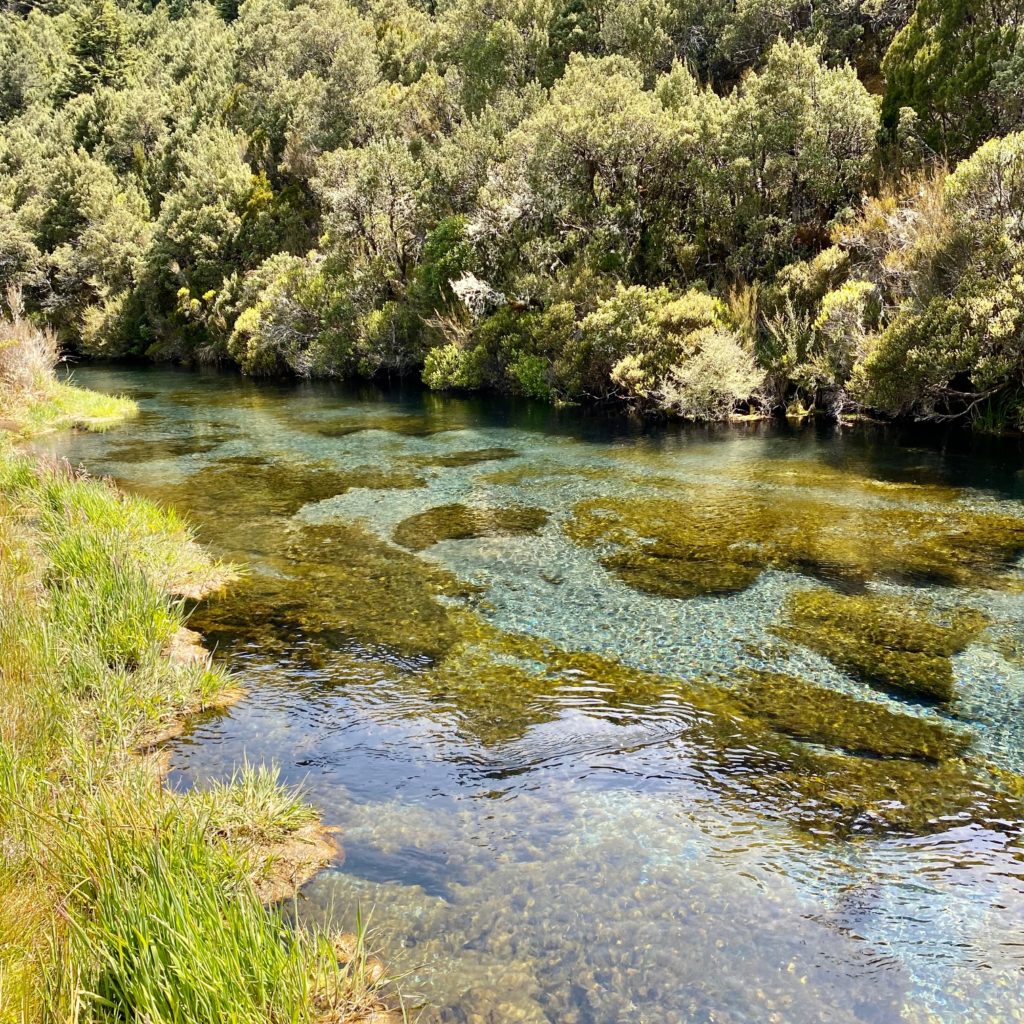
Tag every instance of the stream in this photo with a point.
(619, 724)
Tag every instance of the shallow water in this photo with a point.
(592, 759)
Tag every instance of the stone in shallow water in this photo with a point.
(460, 522)
(884, 640)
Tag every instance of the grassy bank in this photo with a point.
(119, 900)
(32, 399)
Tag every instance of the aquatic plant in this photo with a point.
(277, 487)
(719, 539)
(825, 763)
(886, 640)
(823, 716)
(459, 522)
(339, 585)
(453, 460)
(438, 421)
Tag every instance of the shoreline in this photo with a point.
(101, 673)
(614, 410)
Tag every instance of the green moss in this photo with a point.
(235, 487)
(819, 715)
(150, 450)
(374, 478)
(452, 460)
(460, 522)
(530, 472)
(717, 539)
(886, 641)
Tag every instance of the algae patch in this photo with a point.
(339, 587)
(410, 425)
(812, 473)
(819, 715)
(828, 764)
(460, 522)
(233, 487)
(472, 457)
(719, 539)
(885, 641)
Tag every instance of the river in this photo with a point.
(618, 724)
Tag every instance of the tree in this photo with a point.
(101, 51)
(372, 205)
(946, 63)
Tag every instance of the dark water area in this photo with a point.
(620, 722)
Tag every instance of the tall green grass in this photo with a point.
(121, 901)
(32, 399)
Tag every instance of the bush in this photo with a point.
(531, 375)
(450, 366)
(710, 383)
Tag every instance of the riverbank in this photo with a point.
(32, 400)
(120, 900)
(61, 407)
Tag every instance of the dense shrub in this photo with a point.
(548, 199)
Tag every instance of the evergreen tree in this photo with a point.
(100, 49)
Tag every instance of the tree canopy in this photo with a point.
(693, 207)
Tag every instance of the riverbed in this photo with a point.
(619, 723)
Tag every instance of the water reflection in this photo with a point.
(574, 789)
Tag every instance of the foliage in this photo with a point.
(325, 188)
(952, 343)
(951, 63)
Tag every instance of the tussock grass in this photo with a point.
(121, 901)
(32, 400)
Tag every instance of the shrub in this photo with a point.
(531, 375)
(710, 382)
(636, 337)
(449, 366)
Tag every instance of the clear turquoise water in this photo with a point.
(567, 846)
